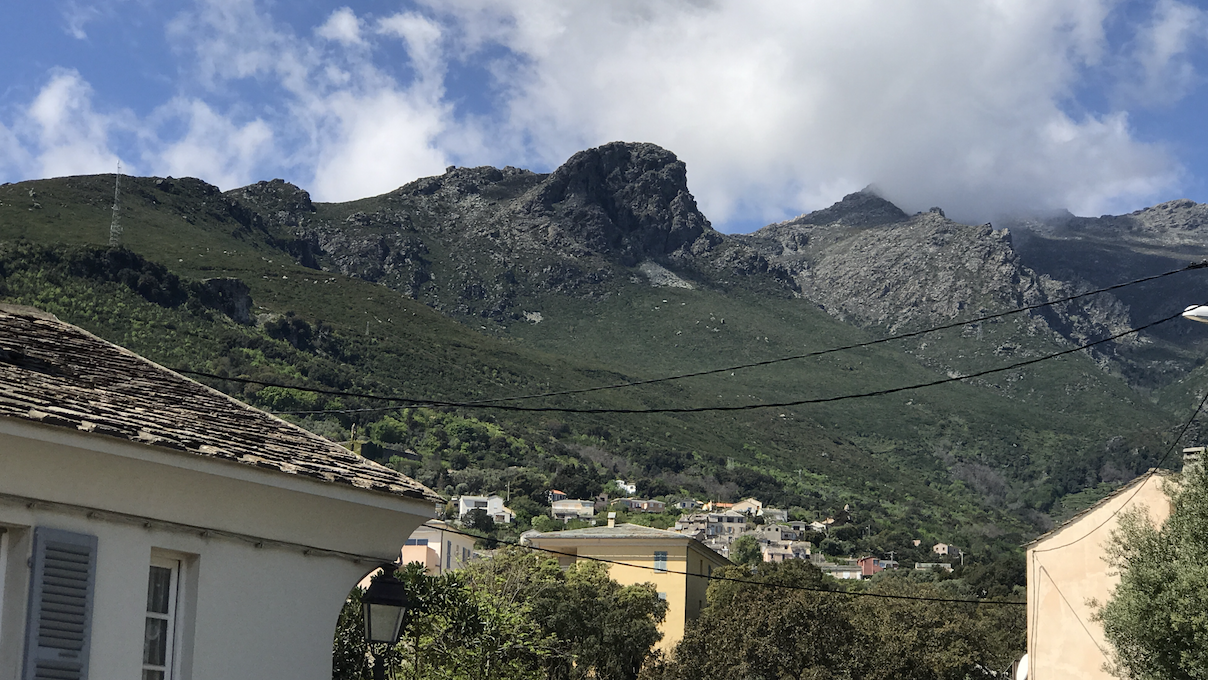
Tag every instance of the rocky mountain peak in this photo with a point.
(280, 202)
(860, 209)
(627, 198)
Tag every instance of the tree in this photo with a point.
(745, 550)
(479, 519)
(1157, 617)
(753, 631)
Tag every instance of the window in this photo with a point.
(663, 597)
(416, 541)
(448, 554)
(160, 630)
(660, 560)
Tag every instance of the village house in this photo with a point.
(437, 548)
(847, 570)
(774, 515)
(1066, 571)
(554, 495)
(568, 509)
(688, 504)
(166, 530)
(871, 566)
(492, 505)
(640, 505)
(729, 524)
(748, 506)
(627, 487)
(945, 549)
(677, 565)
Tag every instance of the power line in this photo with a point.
(635, 383)
(1152, 471)
(730, 579)
(408, 401)
(767, 362)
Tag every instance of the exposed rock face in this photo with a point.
(281, 203)
(628, 199)
(228, 295)
(488, 243)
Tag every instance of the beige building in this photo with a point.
(438, 549)
(677, 565)
(1066, 570)
(153, 527)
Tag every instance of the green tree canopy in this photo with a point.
(1157, 617)
(745, 550)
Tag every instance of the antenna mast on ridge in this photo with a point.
(115, 226)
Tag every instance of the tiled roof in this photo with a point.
(619, 531)
(56, 374)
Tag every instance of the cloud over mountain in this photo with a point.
(777, 107)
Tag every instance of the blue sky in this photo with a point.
(778, 107)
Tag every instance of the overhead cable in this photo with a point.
(410, 401)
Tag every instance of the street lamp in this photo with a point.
(385, 605)
(1196, 313)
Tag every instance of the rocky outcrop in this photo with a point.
(628, 200)
(229, 295)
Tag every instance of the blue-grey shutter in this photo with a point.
(62, 581)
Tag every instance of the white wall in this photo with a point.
(267, 612)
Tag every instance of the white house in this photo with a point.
(628, 487)
(153, 527)
(493, 505)
(570, 508)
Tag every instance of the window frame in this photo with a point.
(660, 565)
(171, 667)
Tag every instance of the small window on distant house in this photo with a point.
(416, 541)
(663, 596)
(660, 560)
(160, 629)
(448, 554)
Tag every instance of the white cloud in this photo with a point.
(77, 17)
(70, 137)
(213, 146)
(777, 107)
(951, 102)
(1159, 71)
(342, 26)
(377, 143)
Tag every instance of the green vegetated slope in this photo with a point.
(990, 457)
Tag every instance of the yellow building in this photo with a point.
(677, 565)
(1066, 570)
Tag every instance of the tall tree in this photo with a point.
(1157, 617)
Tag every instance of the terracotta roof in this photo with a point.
(56, 374)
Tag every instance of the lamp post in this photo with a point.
(1196, 313)
(385, 606)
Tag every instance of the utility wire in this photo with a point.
(1152, 471)
(729, 579)
(1189, 267)
(767, 362)
(683, 409)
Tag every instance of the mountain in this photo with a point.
(485, 283)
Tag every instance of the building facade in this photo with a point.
(677, 565)
(165, 530)
(1066, 570)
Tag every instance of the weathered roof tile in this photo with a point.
(56, 374)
